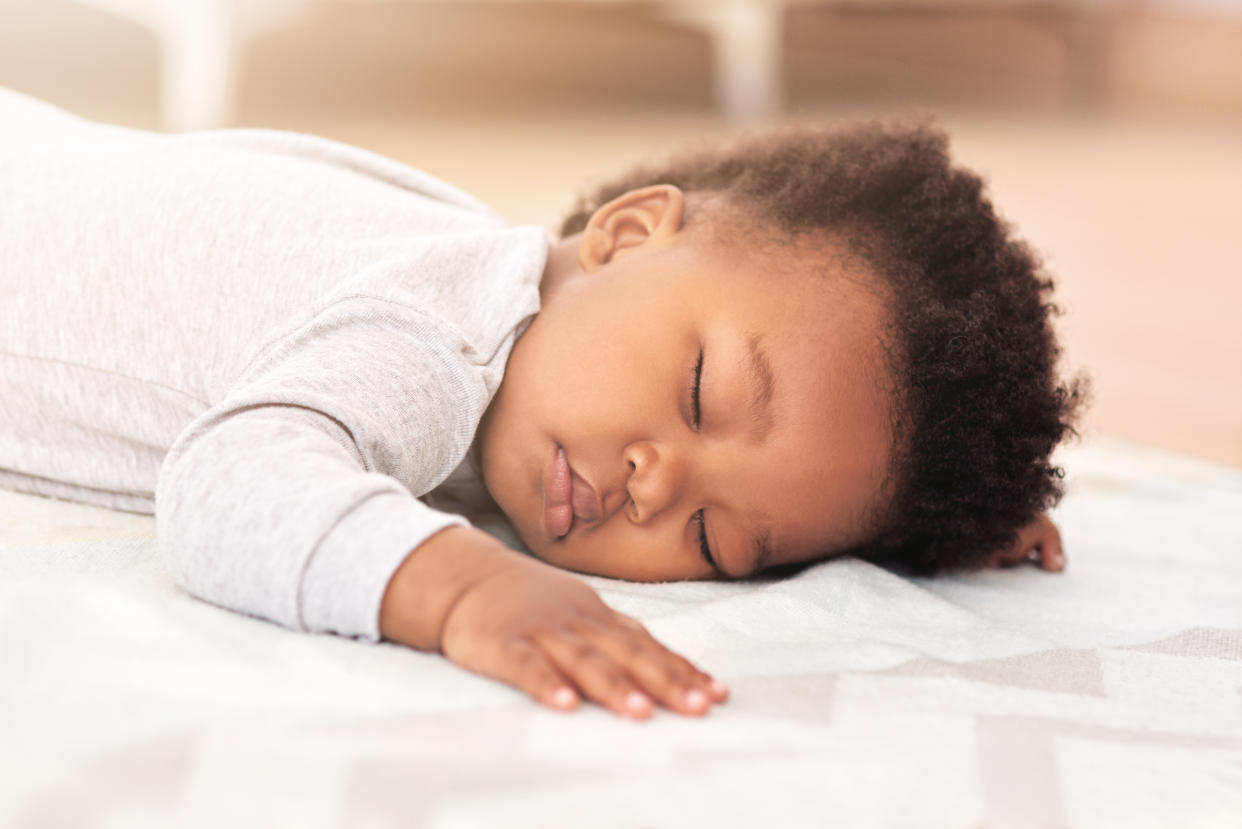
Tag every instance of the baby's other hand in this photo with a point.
(545, 632)
(1038, 542)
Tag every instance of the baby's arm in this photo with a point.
(516, 619)
(291, 499)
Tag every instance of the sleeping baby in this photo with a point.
(313, 364)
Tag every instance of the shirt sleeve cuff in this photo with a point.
(345, 580)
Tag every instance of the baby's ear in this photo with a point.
(642, 217)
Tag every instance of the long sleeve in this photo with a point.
(293, 498)
(275, 342)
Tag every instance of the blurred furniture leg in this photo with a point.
(746, 41)
(201, 44)
(197, 52)
(197, 42)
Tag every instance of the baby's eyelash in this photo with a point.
(703, 546)
(696, 411)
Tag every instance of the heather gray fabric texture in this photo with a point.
(273, 342)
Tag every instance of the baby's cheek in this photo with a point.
(635, 554)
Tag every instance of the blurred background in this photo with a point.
(1110, 131)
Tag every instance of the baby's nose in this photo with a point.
(657, 477)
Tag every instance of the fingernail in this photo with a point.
(636, 702)
(719, 688)
(696, 698)
(563, 697)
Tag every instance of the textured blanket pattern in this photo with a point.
(1110, 695)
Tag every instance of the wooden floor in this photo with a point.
(1137, 215)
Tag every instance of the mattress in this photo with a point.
(1109, 695)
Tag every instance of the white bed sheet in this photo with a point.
(1109, 695)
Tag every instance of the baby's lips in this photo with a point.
(558, 512)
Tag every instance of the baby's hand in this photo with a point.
(545, 632)
(1039, 542)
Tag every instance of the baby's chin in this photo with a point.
(532, 540)
(556, 553)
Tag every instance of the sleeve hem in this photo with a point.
(346, 577)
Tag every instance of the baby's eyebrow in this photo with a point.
(760, 383)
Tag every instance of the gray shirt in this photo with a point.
(271, 341)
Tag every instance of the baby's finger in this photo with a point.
(524, 666)
(1051, 550)
(667, 676)
(716, 689)
(597, 675)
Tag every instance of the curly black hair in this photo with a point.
(979, 407)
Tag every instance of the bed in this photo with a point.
(1110, 695)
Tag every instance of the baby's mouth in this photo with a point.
(567, 497)
(558, 492)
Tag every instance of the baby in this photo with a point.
(310, 363)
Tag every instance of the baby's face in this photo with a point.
(669, 400)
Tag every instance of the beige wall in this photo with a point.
(517, 56)
(1178, 61)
